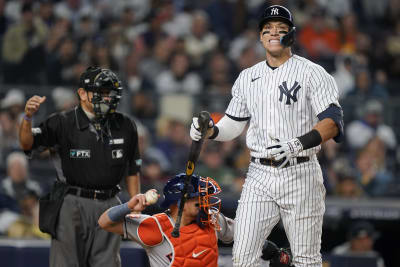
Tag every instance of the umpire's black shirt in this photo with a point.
(87, 161)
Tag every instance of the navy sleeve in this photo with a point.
(336, 114)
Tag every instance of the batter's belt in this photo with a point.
(276, 163)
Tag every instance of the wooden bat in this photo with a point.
(204, 120)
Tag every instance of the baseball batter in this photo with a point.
(292, 107)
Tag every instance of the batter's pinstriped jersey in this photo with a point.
(278, 101)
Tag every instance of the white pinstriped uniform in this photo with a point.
(283, 104)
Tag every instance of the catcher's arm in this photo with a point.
(204, 119)
(111, 220)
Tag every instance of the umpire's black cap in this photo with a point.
(276, 12)
(86, 80)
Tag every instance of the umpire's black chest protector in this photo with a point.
(87, 160)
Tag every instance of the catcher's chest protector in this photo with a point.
(195, 247)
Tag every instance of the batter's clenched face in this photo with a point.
(270, 37)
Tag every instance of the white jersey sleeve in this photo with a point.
(227, 229)
(323, 89)
(238, 104)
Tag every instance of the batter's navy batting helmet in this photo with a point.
(277, 12)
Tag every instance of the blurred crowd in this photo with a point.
(177, 57)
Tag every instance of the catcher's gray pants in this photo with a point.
(80, 241)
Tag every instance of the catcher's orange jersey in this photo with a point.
(195, 247)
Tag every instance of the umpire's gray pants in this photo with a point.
(80, 241)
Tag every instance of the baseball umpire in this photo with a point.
(202, 226)
(94, 147)
(292, 106)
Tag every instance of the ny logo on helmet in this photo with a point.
(290, 94)
(274, 11)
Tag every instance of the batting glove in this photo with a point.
(285, 150)
(277, 257)
(195, 133)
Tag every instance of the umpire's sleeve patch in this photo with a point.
(149, 232)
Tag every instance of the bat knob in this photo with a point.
(175, 234)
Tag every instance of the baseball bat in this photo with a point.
(195, 148)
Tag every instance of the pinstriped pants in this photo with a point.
(296, 195)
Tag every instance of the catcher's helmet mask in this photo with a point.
(204, 189)
(279, 13)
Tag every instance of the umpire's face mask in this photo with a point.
(102, 103)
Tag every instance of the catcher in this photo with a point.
(201, 227)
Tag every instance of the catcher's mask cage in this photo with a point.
(106, 89)
(204, 189)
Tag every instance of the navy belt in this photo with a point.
(276, 163)
(93, 193)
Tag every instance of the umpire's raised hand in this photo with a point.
(33, 105)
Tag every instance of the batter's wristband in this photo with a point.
(215, 134)
(310, 139)
(27, 118)
(119, 212)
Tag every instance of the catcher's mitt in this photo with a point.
(278, 257)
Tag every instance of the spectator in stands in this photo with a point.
(344, 75)
(23, 48)
(393, 51)
(319, 39)
(179, 79)
(149, 151)
(212, 164)
(200, 41)
(153, 175)
(219, 84)
(26, 224)
(157, 60)
(64, 98)
(345, 180)
(46, 12)
(11, 107)
(361, 239)
(17, 183)
(372, 173)
(61, 63)
(360, 132)
(4, 21)
(175, 143)
(365, 88)
(348, 33)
